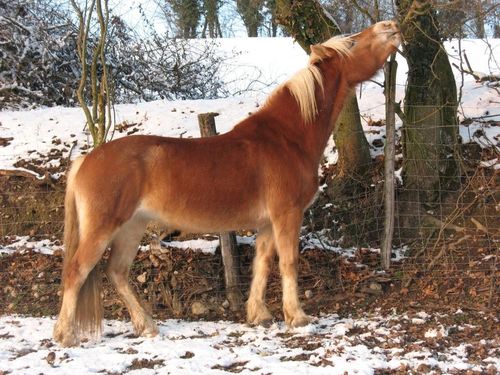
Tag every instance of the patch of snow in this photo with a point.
(422, 315)
(205, 246)
(491, 163)
(330, 345)
(25, 243)
(418, 321)
(436, 332)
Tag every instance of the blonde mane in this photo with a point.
(303, 84)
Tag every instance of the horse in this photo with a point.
(262, 175)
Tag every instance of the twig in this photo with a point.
(46, 179)
(483, 117)
(443, 225)
(19, 25)
(479, 226)
(468, 63)
(493, 282)
(444, 248)
(479, 77)
(71, 151)
(399, 112)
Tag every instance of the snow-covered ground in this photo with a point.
(329, 346)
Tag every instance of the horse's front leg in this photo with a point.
(257, 312)
(286, 229)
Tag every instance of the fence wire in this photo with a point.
(444, 250)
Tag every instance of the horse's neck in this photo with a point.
(330, 104)
(283, 113)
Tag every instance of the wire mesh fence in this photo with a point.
(444, 249)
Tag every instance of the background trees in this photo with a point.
(251, 14)
(38, 59)
(38, 42)
(40, 65)
(39, 62)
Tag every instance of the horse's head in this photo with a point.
(363, 53)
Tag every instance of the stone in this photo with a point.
(198, 308)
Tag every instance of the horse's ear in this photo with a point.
(318, 53)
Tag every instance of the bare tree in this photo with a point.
(270, 18)
(355, 15)
(451, 17)
(38, 62)
(98, 117)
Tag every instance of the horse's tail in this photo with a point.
(89, 310)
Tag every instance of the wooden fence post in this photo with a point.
(228, 244)
(390, 130)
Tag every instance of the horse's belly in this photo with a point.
(196, 216)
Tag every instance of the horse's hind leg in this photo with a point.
(286, 229)
(123, 251)
(257, 312)
(87, 255)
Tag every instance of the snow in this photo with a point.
(206, 246)
(331, 345)
(439, 332)
(25, 243)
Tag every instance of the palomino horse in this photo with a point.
(263, 174)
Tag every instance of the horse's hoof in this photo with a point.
(258, 315)
(66, 341)
(266, 322)
(150, 331)
(265, 319)
(299, 321)
(64, 338)
(147, 328)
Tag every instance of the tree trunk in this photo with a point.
(479, 19)
(250, 11)
(350, 141)
(211, 10)
(430, 129)
(187, 13)
(273, 25)
(309, 24)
